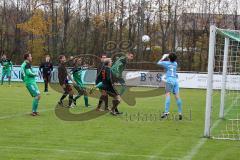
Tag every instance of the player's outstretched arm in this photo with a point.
(41, 68)
(161, 62)
(93, 89)
(164, 57)
(11, 65)
(70, 77)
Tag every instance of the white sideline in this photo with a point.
(202, 141)
(87, 152)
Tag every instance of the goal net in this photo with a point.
(222, 115)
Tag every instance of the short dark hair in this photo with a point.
(76, 60)
(107, 61)
(26, 55)
(131, 53)
(172, 57)
(103, 54)
(60, 57)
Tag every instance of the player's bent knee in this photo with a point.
(167, 94)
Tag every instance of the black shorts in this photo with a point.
(47, 78)
(111, 91)
(67, 89)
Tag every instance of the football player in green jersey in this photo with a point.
(77, 73)
(117, 70)
(28, 77)
(6, 68)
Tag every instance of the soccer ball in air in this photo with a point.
(145, 38)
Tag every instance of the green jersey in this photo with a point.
(27, 73)
(6, 64)
(119, 66)
(77, 75)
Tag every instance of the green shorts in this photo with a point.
(6, 72)
(33, 89)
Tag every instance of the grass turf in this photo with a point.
(109, 138)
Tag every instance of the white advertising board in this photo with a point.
(145, 78)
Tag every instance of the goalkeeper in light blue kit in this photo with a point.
(168, 62)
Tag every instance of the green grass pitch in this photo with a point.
(46, 137)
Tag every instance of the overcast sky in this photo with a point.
(226, 6)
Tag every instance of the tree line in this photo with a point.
(74, 27)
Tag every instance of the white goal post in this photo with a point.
(212, 41)
(223, 58)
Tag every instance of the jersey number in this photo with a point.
(172, 71)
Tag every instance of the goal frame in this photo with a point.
(211, 60)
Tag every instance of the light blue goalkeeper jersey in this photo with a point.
(170, 69)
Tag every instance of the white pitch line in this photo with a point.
(86, 152)
(162, 149)
(202, 141)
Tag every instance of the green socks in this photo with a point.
(35, 105)
(86, 101)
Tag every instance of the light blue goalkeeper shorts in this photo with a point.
(172, 86)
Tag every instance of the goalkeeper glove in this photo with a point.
(164, 56)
